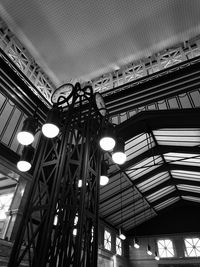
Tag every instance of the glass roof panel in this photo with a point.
(137, 145)
(190, 188)
(182, 158)
(190, 198)
(166, 203)
(143, 167)
(178, 137)
(160, 193)
(153, 181)
(187, 175)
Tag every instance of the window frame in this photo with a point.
(167, 251)
(107, 242)
(117, 247)
(185, 247)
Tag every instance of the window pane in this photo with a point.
(118, 246)
(165, 248)
(107, 240)
(192, 246)
(5, 201)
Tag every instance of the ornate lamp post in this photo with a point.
(56, 203)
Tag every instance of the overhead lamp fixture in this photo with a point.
(80, 183)
(75, 232)
(50, 129)
(24, 164)
(157, 258)
(107, 141)
(55, 221)
(149, 252)
(75, 224)
(26, 135)
(136, 243)
(119, 155)
(104, 173)
(121, 236)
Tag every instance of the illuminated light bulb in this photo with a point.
(136, 245)
(74, 231)
(119, 157)
(26, 135)
(55, 222)
(107, 143)
(149, 252)
(156, 257)
(79, 183)
(23, 165)
(104, 180)
(25, 138)
(50, 130)
(122, 236)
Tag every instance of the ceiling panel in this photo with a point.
(85, 39)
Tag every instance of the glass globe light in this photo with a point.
(50, 130)
(104, 180)
(23, 165)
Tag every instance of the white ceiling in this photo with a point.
(74, 39)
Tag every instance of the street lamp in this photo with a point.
(51, 127)
(26, 136)
(24, 164)
(104, 173)
(107, 141)
(119, 156)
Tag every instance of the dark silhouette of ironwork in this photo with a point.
(60, 221)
